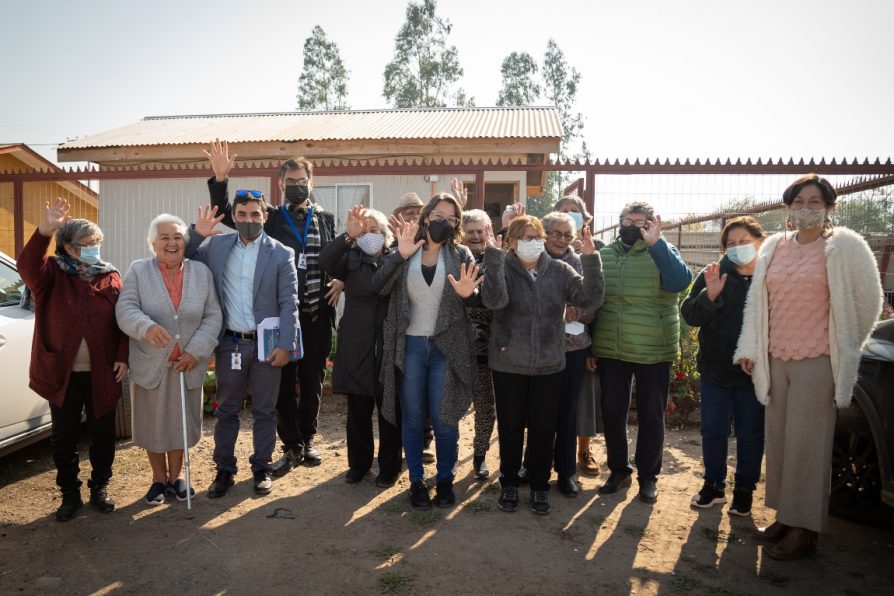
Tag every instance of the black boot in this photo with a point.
(99, 498)
(71, 502)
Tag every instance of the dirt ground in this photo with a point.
(316, 534)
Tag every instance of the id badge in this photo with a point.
(302, 261)
(236, 361)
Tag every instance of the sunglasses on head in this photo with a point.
(252, 193)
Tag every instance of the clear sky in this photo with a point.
(659, 78)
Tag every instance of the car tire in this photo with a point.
(123, 413)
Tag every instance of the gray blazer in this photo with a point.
(275, 288)
(527, 334)
(144, 301)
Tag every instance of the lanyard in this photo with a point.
(302, 239)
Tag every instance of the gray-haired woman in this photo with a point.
(78, 354)
(169, 309)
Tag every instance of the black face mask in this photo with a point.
(629, 235)
(439, 231)
(297, 194)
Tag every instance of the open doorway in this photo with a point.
(496, 196)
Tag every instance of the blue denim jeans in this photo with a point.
(719, 405)
(420, 394)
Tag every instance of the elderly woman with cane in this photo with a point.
(170, 310)
(78, 354)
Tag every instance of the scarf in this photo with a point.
(74, 266)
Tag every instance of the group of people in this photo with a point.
(549, 336)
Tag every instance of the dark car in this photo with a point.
(863, 457)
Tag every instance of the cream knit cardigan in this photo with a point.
(855, 297)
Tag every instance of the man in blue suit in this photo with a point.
(255, 278)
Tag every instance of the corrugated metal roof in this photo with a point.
(434, 123)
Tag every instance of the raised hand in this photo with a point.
(459, 192)
(490, 240)
(587, 246)
(206, 219)
(468, 280)
(157, 336)
(517, 210)
(396, 224)
(714, 282)
(54, 217)
(407, 244)
(357, 221)
(220, 159)
(652, 232)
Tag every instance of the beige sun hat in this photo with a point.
(411, 199)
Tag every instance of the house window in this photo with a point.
(339, 198)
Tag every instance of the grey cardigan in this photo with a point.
(527, 334)
(452, 335)
(144, 301)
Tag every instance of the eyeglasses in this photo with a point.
(557, 235)
(297, 181)
(636, 223)
(256, 194)
(89, 245)
(529, 238)
(438, 216)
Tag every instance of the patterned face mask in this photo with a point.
(807, 218)
(371, 243)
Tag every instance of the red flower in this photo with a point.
(214, 404)
(679, 375)
(671, 408)
(329, 363)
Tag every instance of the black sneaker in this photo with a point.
(290, 459)
(419, 498)
(263, 482)
(178, 489)
(741, 503)
(221, 485)
(311, 456)
(540, 502)
(444, 495)
(355, 476)
(71, 503)
(156, 494)
(480, 467)
(508, 500)
(99, 498)
(711, 494)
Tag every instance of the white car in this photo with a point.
(24, 415)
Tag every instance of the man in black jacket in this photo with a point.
(303, 226)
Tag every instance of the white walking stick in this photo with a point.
(185, 440)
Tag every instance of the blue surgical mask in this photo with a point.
(578, 219)
(90, 254)
(741, 255)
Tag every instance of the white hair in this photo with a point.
(476, 215)
(383, 224)
(555, 217)
(152, 236)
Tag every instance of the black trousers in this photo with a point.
(566, 429)
(532, 401)
(360, 436)
(66, 432)
(652, 385)
(297, 414)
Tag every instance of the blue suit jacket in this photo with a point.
(275, 287)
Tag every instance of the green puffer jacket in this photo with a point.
(638, 322)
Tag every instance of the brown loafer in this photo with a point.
(586, 463)
(772, 533)
(796, 543)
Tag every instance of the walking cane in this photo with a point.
(185, 440)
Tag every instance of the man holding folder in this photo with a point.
(255, 279)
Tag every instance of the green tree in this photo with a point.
(323, 84)
(560, 84)
(520, 86)
(425, 69)
(869, 212)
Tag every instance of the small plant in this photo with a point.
(394, 508)
(685, 389)
(424, 518)
(478, 507)
(489, 487)
(391, 582)
(719, 536)
(387, 552)
(684, 583)
(636, 531)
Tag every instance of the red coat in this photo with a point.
(66, 310)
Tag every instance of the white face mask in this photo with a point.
(741, 255)
(529, 250)
(371, 243)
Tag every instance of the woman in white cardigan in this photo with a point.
(814, 299)
(169, 309)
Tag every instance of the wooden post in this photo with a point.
(479, 190)
(590, 196)
(18, 215)
(275, 194)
